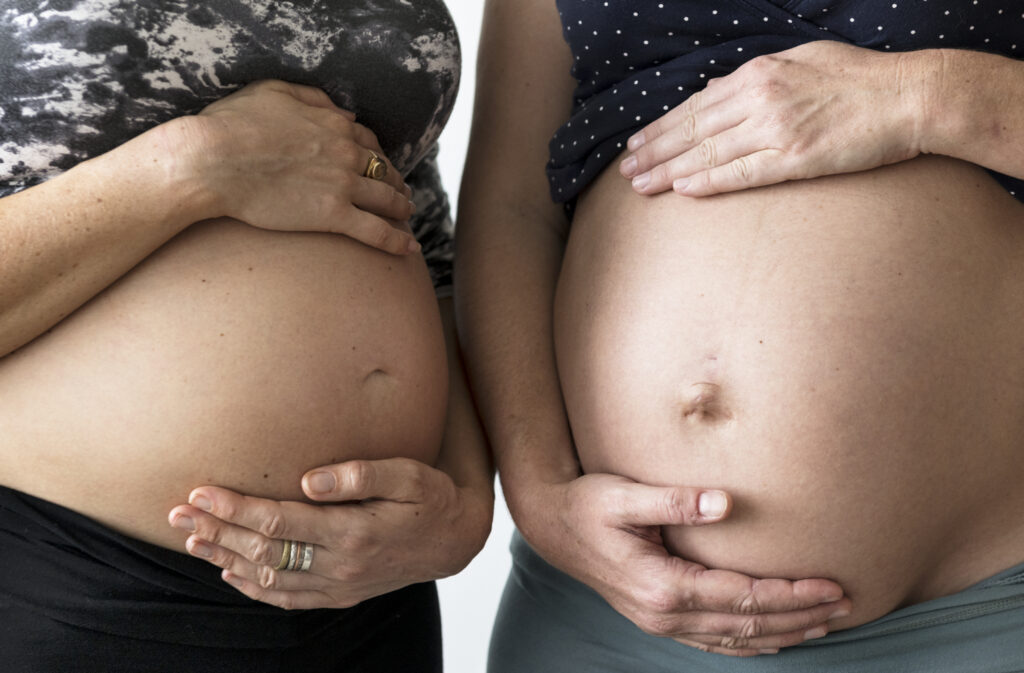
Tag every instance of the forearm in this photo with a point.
(65, 240)
(465, 456)
(973, 107)
(509, 245)
(505, 289)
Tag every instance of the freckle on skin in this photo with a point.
(265, 475)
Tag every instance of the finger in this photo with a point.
(766, 630)
(265, 576)
(716, 91)
(295, 599)
(686, 135)
(714, 150)
(713, 649)
(726, 591)
(377, 233)
(368, 139)
(764, 167)
(209, 532)
(310, 95)
(381, 199)
(756, 644)
(270, 518)
(396, 479)
(643, 505)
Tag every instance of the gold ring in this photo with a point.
(285, 554)
(376, 168)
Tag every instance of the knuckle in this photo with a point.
(751, 628)
(708, 152)
(354, 155)
(610, 501)
(688, 127)
(382, 237)
(285, 601)
(261, 551)
(267, 577)
(734, 643)
(742, 170)
(358, 541)
(675, 503)
(656, 625)
(748, 603)
(659, 601)
(274, 526)
(357, 474)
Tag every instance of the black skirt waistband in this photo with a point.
(75, 570)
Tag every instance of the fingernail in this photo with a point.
(816, 632)
(841, 612)
(628, 166)
(680, 185)
(201, 550)
(321, 482)
(233, 581)
(412, 205)
(637, 140)
(641, 181)
(414, 246)
(184, 522)
(712, 504)
(773, 650)
(201, 502)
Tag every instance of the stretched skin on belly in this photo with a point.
(842, 355)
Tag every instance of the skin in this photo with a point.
(510, 245)
(214, 184)
(603, 529)
(393, 529)
(59, 237)
(786, 117)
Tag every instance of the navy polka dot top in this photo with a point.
(635, 60)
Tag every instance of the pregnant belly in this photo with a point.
(843, 355)
(232, 356)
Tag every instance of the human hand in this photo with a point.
(818, 109)
(605, 531)
(282, 156)
(395, 522)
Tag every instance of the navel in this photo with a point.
(703, 402)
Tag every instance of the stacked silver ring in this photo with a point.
(296, 556)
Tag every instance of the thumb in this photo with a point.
(399, 479)
(644, 505)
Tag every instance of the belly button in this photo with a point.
(703, 402)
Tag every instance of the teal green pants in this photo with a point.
(550, 623)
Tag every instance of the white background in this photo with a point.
(470, 599)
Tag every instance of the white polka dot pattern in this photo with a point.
(635, 60)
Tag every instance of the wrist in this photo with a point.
(941, 117)
(185, 161)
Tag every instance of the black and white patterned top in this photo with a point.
(80, 77)
(634, 60)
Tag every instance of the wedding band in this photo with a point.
(293, 556)
(285, 555)
(376, 168)
(307, 558)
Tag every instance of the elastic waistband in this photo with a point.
(1000, 593)
(75, 570)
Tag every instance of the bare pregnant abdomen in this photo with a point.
(843, 355)
(232, 356)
